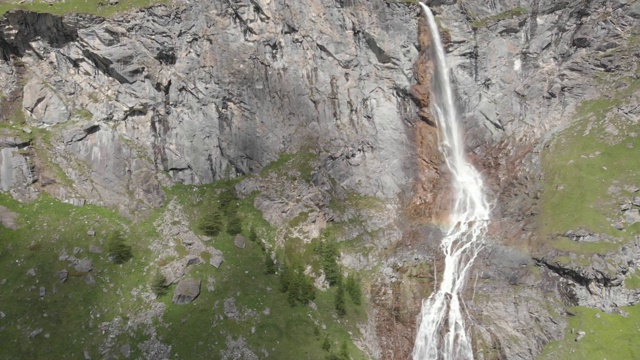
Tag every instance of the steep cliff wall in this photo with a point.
(203, 92)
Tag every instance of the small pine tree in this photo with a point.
(253, 236)
(293, 291)
(211, 222)
(305, 289)
(330, 264)
(228, 202)
(158, 284)
(326, 344)
(270, 266)
(339, 301)
(118, 249)
(285, 278)
(234, 224)
(344, 352)
(353, 289)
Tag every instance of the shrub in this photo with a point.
(118, 249)
(326, 344)
(298, 286)
(353, 289)
(341, 310)
(253, 236)
(270, 266)
(211, 222)
(159, 284)
(234, 224)
(330, 264)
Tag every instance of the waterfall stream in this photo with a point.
(442, 333)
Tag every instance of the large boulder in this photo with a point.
(186, 291)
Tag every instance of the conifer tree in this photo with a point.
(211, 221)
(353, 288)
(330, 264)
(326, 344)
(344, 352)
(270, 266)
(234, 224)
(118, 249)
(339, 301)
(253, 236)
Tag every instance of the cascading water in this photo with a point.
(442, 333)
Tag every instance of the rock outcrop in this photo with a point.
(186, 291)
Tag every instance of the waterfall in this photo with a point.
(442, 333)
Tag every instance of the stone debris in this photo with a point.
(95, 249)
(580, 336)
(35, 332)
(216, 259)
(8, 218)
(125, 350)
(83, 266)
(240, 241)
(43, 291)
(89, 279)
(63, 275)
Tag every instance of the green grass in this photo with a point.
(295, 166)
(78, 6)
(609, 336)
(581, 164)
(47, 228)
(516, 12)
(197, 330)
(287, 332)
(632, 282)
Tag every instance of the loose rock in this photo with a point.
(240, 241)
(63, 275)
(83, 266)
(186, 291)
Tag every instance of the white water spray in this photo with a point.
(442, 334)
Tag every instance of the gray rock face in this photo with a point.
(172, 101)
(42, 104)
(186, 291)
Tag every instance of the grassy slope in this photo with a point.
(577, 180)
(71, 316)
(580, 166)
(608, 336)
(78, 6)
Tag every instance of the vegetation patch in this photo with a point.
(509, 14)
(95, 7)
(589, 170)
(606, 336)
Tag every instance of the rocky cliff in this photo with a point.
(112, 112)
